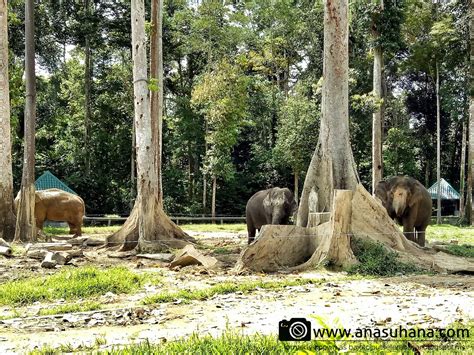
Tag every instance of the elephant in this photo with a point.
(57, 205)
(409, 203)
(271, 206)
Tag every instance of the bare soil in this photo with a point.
(409, 301)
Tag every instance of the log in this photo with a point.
(36, 254)
(190, 256)
(3, 243)
(165, 257)
(5, 251)
(278, 247)
(52, 259)
(95, 241)
(49, 246)
(317, 218)
(78, 241)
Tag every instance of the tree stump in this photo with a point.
(354, 214)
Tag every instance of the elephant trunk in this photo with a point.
(276, 217)
(399, 206)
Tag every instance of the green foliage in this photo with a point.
(72, 284)
(298, 131)
(446, 233)
(398, 153)
(463, 250)
(376, 259)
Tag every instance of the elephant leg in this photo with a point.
(72, 228)
(409, 229)
(251, 233)
(421, 235)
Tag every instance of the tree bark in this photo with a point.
(87, 90)
(214, 192)
(470, 163)
(332, 165)
(462, 177)
(7, 218)
(297, 178)
(147, 228)
(377, 119)
(25, 224)
(438, 147)
(156, 73)
(133, 169)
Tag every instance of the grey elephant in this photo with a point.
(409, 203)
(272, 206)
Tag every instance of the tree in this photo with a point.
(156, 74)
(332, 165)
(147, 227)
(25, 224)
(296, 136)
(378, 94)
(7, 218)
(470, 171)
(222, 98)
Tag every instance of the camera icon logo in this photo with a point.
(296, 329)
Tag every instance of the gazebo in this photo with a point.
(49, 181)
(449, 198)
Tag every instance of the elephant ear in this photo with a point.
(416, 195)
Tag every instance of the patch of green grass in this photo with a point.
(446, 232)
(72, 284)
(234, 342)
(236, 228)
(85, 230)
(223, 288)
(375, 259)
(223, 250)
(461, 250)
(71, 308)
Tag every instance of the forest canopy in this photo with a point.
(242, 95)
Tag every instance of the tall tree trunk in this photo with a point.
(438, 147)
(133, 169)
(25, 223)
(332, 165)
(470, 163)
(297, 178)
(204, 180)
(377, 163)
(377, 120)
(7, 218)
(214, 192)
(156, 73)
(147, 227)
(462, 177)
(87, 90)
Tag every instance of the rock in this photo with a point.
(190, 256)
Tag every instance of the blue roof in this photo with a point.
(447, 191)
(49, 181)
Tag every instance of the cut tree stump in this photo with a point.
(355, 214)
(317, 218)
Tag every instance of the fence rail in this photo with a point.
(92, 220)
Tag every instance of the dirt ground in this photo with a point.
(409, 301)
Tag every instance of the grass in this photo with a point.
(446, 232)
(71, 308)
(72, 284)
(223, 288)
(234, 342)
(85, 230)
(375, 259)
(464, 250)
(236, 228)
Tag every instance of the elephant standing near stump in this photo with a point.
(271, 206)
(58, 205)
(409, 203)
